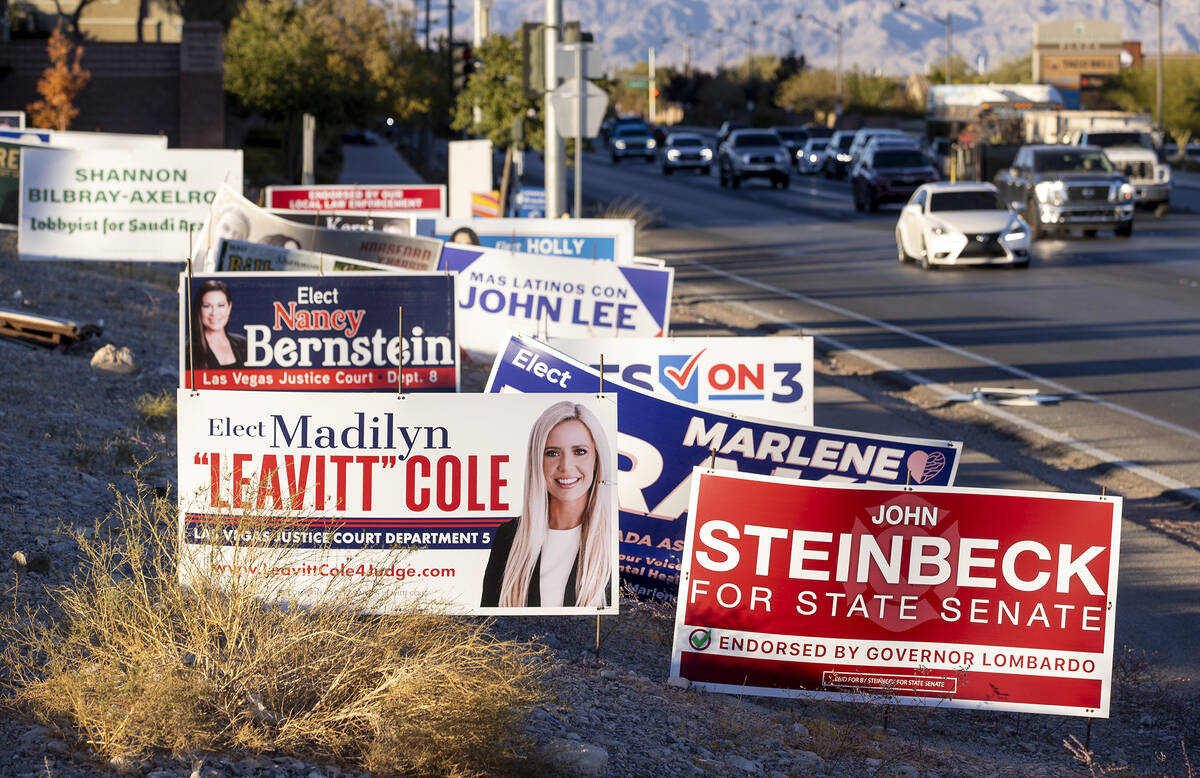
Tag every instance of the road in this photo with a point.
(1110, 325)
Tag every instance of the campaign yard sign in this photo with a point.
(359, 221)
(661, 441)
(969, 598)
(331, 332)
(417, 201)
(610, 240)
(500, 292)
(88, 141)
(119, 205)
(770, 378)
(405, 492)
(243, 256)
(234, 217)
(10, 184)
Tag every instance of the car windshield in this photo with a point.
(1109, 139)
(844, 142)
(820, 132)
(756, 139)
(970, 200)
(900, 158)
(686, 142)
(632, 133)
(792, 134)
(818, 144)
(1071, 161)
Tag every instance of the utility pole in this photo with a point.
(650, 87)
(555, 153)
(450, 49)
(427, 23)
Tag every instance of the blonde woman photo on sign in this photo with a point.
(558, 552)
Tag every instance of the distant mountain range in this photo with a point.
(876, 37)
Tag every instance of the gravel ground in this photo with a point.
(67, 437)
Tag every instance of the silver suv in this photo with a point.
(753, 154)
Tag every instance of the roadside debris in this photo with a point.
(45, 330)
(993, 395)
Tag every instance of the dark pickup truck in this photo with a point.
(1060, 187)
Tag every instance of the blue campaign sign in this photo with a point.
(661, 440)
(25, 135)
(531, 202)
(608, 240)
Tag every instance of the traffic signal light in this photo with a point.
(464, 65)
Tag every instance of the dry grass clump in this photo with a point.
(135, 663)
(643, 215)
(157, 410)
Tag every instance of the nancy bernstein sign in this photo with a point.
(661, 441)
(119, 205)
(330, 491)
(499, 291)
(330, 332)
(771, 378)
(968, 598)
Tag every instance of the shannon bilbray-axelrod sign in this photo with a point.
(119, 205)
(331, 332)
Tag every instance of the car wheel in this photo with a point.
(650, 160)
(616, 159)
(785, 182)
(706, 170)
(667, 171)
(721, 176)
(872, 204)
(925, 263)
(901, 254)
(734, 180)
(1125, 230)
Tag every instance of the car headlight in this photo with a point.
(746, 159)
(673, 154)
(1050, 192)
(1016, 230)
(619, 144)
(651, 143)
(706, 153)
(1164, 173)
(843, 157)
(1125, 192)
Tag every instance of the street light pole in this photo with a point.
(837, 31)
(1158, 87)
(901, 5)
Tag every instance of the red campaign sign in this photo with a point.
(316, 379)
(968, 597)
(431, 200)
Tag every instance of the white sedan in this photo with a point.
(965, 223)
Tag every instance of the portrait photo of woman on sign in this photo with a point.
(213, 346)
(559, 551)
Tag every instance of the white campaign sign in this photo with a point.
(609, 240)
(119, 205)
(769, 378)
(411, 490)
(95, 141)
(499, 292)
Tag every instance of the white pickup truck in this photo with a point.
(1132, 152)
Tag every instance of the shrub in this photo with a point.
(129, 662)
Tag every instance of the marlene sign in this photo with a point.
(499, 291)
(119, 205)
(332, 489)
(967, 598)
(428, 201)
(661, 441)
(771, 378)
(331, 332)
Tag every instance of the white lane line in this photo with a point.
(1165, 481)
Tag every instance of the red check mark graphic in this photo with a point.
(680, 377)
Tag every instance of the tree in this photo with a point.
(808, 90)
(73, 17)
(495, 88)
(1134, 90)
(59, 84)
(343, 61)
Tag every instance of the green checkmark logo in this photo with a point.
(700, 639)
